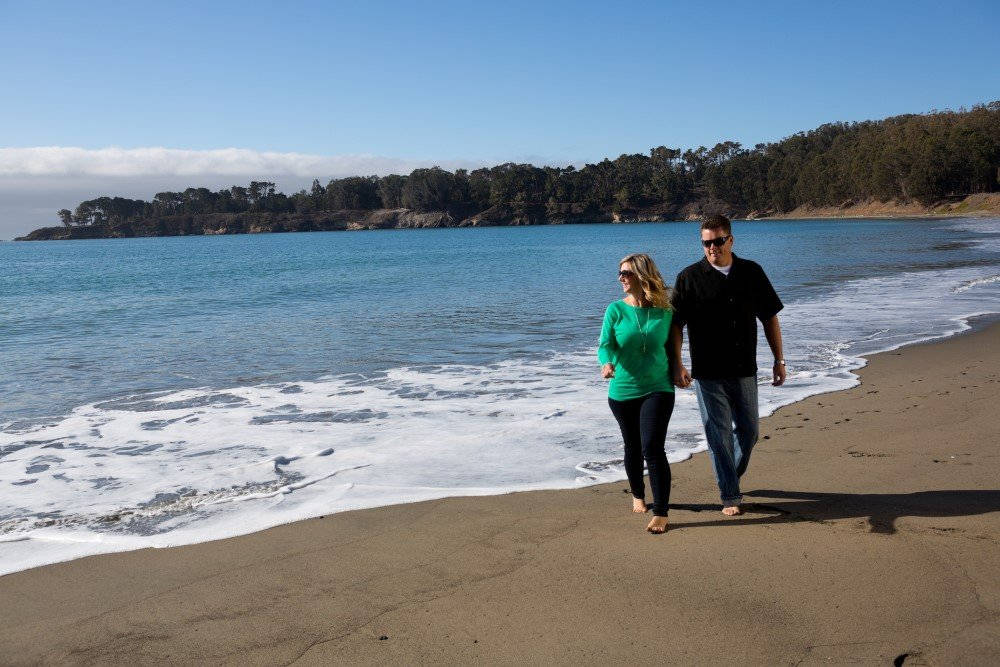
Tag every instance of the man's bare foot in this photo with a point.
(732, 510)
(658, 525)
(639, 506)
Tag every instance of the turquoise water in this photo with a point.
(91, 320)
(198, 387)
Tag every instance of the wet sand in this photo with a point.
(872, 534)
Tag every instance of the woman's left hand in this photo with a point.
(608, 371)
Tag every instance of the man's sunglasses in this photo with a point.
(718, 243)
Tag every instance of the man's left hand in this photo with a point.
(779, 374)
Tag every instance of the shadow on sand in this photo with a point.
(880, 509)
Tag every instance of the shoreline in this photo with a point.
(888, 216)
(964, 325)
(985, 205)
(883, 528)
(972, 215)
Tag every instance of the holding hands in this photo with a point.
(682, 378)
(608, 371)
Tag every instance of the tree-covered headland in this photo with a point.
(911, 158)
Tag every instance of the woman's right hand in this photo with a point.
(608, 371)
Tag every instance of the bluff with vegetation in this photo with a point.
(911, 159)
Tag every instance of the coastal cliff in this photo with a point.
(944, 163)
(210, 224)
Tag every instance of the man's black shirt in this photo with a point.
(721, 314)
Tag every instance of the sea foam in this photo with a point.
(165, 468)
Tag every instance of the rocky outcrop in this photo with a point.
(500, 215)
(508, 215)
(538, 214)
(404, 218)
(264, 223)
(209, 224)
(706, 206)
(66, 233)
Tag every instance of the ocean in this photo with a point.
(165, 391)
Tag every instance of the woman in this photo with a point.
(633, 354)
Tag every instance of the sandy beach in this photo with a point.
(984, 204)
(871, 537)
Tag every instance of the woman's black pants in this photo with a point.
(643, 422)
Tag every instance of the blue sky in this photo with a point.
(455, 83)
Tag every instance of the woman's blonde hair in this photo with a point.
(654, 290)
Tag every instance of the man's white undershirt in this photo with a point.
(724, 270)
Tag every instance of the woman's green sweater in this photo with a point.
(635, 340)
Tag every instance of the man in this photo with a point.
(720, 299)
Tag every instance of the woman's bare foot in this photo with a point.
(658, 525)
(732, 510)
(639, 506)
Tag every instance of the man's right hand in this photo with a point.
(682, 378)
(608, 371)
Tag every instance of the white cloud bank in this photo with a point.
(36, 182)
(138, 162)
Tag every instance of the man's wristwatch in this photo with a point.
(779, 361)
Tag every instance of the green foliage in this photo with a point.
(355, 192)
(390, 190)
(517, 184)
(431, 189)
(908, 158)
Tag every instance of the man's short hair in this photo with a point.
(717, 222)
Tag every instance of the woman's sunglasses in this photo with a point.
(626, 274)
(718, 243)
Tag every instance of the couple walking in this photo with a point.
(719, 299)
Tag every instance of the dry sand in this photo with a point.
(986, 204)
(874, 535)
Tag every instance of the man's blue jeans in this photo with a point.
(729, 413)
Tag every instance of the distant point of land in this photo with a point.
(944, 163)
